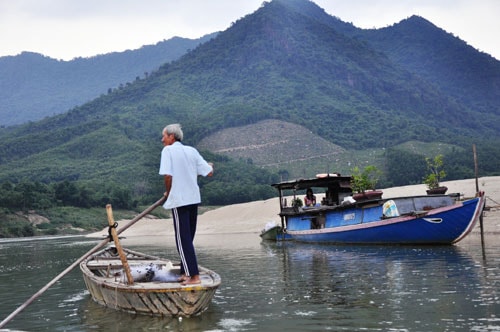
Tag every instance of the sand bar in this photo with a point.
(252, 217)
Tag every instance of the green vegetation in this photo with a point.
(57, 220)
(33, 86)
(366, 179)
(12, 225)
(233, 182)
(297, 202)
(471, 79)
(436, 171)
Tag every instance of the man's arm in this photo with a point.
(212, 172)
(168, 184)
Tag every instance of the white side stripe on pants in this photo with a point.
(178, 240)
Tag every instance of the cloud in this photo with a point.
(70, 28)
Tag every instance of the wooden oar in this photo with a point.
(78, 261)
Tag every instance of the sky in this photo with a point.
(65, 29)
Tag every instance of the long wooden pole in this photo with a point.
(476, 172)
(114, 235)
(475, 166)
(78, 261)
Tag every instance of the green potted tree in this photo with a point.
(363, 183)
(297, 204)
(436, 174)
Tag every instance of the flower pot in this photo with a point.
(368, 195)
(437, 191)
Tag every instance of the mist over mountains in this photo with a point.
(289, 62)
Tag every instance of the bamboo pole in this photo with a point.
(475, 166)
(481, 226)
(114, 235)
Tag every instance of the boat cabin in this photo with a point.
(338, 207)
(335, 188)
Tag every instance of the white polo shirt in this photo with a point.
(184, 164)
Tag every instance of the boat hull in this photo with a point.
(275, 233)
(443, 225)
(151, 298)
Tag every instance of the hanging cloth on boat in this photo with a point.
(390, 209)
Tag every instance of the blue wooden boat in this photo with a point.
(425, 219)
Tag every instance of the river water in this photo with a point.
(274, 287)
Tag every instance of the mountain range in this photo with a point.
(291, 66)
(33, 86)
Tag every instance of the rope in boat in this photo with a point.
(110, 237)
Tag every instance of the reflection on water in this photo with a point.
(381, 287)
(274, 286)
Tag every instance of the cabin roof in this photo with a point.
(321, 182)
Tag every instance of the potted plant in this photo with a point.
(436, 174)
(363, 183)
(297, 203)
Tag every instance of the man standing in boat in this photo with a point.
(180, 166)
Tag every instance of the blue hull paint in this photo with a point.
(440, 226)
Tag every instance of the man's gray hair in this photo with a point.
(175, 129)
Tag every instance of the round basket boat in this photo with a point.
(108, 286)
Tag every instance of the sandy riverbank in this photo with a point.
(252, 217)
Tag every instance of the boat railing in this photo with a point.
(286, 211)
(406, 205)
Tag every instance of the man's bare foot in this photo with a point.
(194, 280)
(182, 278)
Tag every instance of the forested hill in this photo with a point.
(287, 61)
(33, 86)
(457, 69)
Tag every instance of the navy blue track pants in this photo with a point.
(185, 219)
